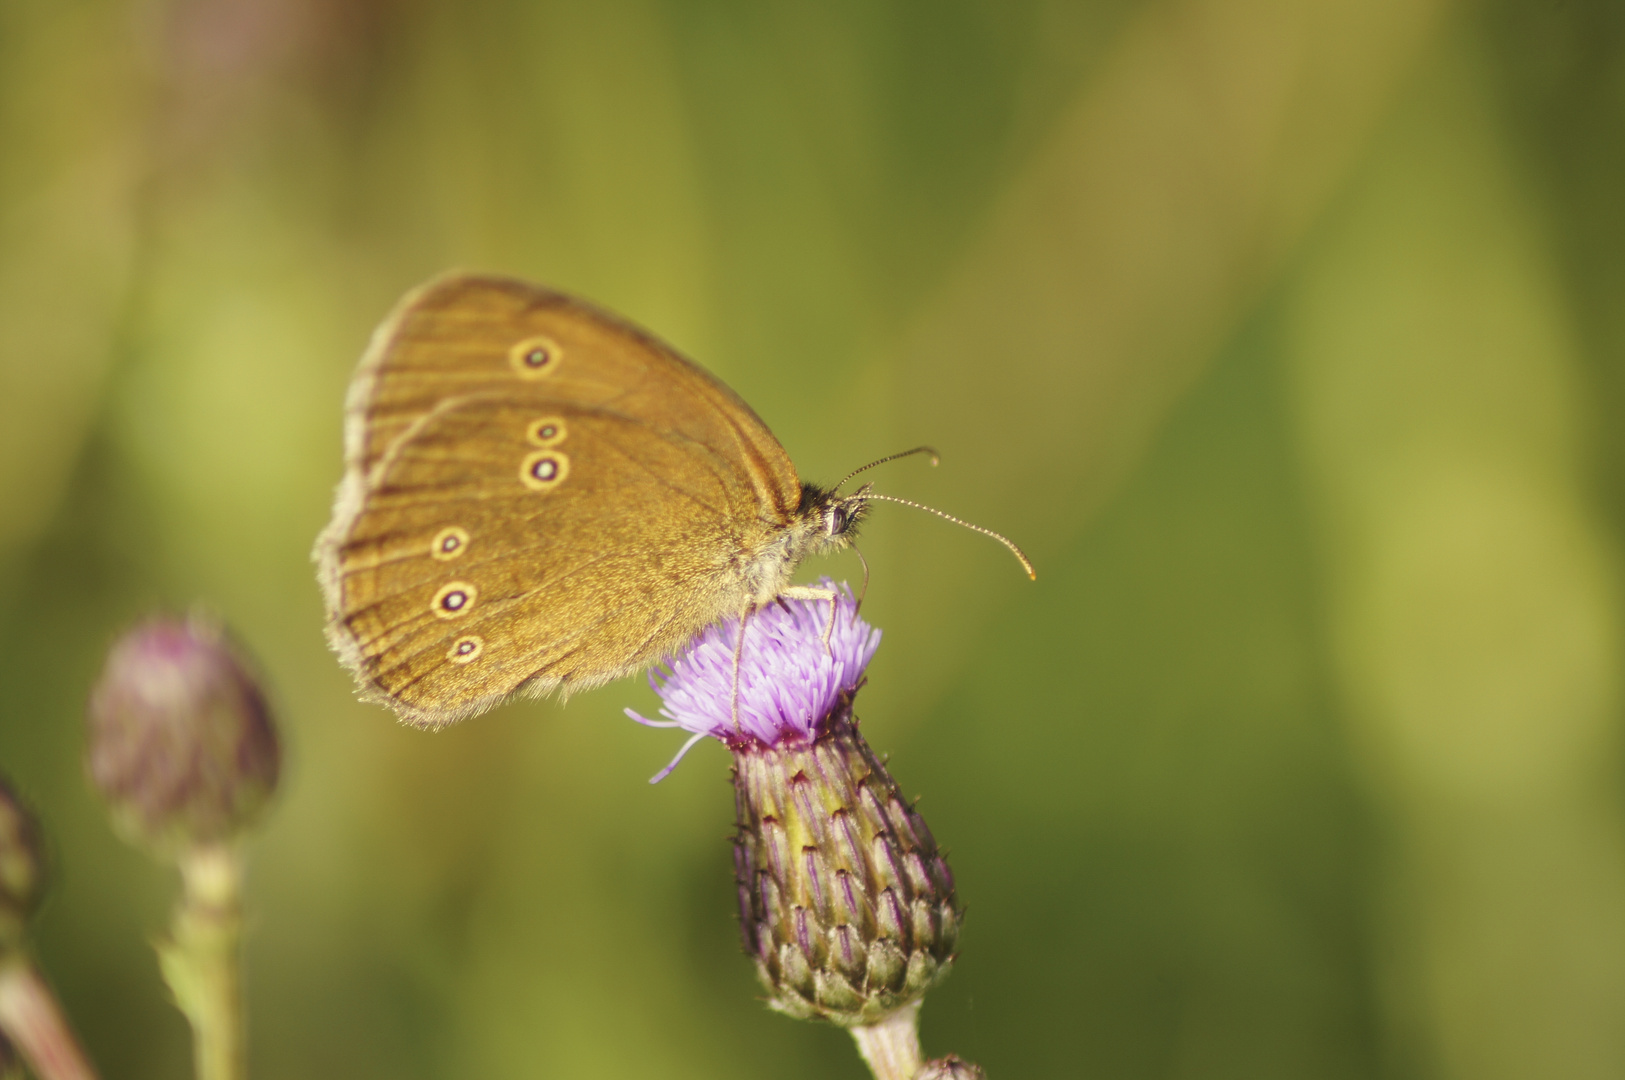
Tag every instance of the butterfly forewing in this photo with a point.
(536, 495)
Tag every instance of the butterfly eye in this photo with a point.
(454, 599)
(535, 358)
(544, 469)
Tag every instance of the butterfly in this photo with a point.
(539, 496)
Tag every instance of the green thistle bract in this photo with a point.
(844, 901)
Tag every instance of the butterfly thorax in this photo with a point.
(822, 523)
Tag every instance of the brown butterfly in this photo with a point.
(539, 495)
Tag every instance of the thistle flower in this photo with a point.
(22, 868)
(32, 1026)
(182, 745)
(846, 905)
(11, 1066)
(180, 737)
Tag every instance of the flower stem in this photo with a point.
(200, 961)
(33, 1021)
(892, 1047)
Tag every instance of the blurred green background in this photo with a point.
(1288, 337)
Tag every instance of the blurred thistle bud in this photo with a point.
(181, 742)
(950, 1068)
(845, 903)
(11, 1065)
(22, 867)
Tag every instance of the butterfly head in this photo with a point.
(831, 520)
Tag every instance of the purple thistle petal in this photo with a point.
(663, 773)
(646, 722)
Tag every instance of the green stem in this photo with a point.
(201, 960)
(892, 1047)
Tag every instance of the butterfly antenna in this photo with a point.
(1026, 564)
(882, 461)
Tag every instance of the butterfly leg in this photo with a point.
(739, 656)
(864, 592)
(809, 592)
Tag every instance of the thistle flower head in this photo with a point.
(22, 869)
(846, 905)
(181, 740)
(791, 677)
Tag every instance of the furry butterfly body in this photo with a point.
(539, 496)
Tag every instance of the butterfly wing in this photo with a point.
(537, 495)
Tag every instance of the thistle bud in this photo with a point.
(22, 869)
(181, 741)
(846, 905)
(950, 1068)
(11, 1066)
